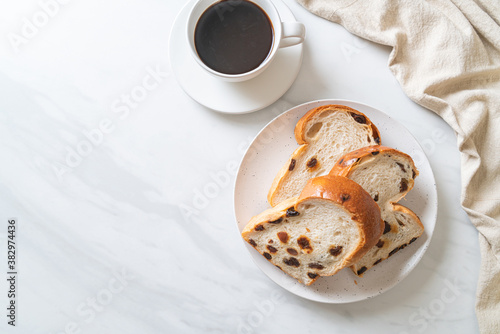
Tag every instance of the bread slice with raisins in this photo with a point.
(387, 175)
(325, 134)
(331, 225)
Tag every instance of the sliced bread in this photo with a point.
(387, 175)
(325, 134)
(331, 225)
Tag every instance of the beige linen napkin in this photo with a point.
(446, 56)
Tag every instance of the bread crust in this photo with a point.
(300, 136)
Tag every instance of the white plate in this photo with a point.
(271, 149)
(233, 97)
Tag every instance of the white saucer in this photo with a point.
(273, 146)
(233, 97)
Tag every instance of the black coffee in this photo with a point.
(233, 36)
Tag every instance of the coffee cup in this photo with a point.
(236, 40)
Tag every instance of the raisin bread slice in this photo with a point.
(331, 225)
(325, 134)
(387, 175)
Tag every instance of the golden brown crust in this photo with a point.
(302, 123)
(356, 200)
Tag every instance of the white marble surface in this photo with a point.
(118, 240)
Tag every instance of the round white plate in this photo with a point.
(271, 149)
(233, 97)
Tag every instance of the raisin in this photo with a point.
(412, 240)
(375, 152)
(359, 118)
(292, 262)
(316, 266)
(271, 241)
(252, 242)
(259, 227)
(401, 166)
(271, 249)
(278, 267)
(283, 236)
(335, 251)
(312, 275)
(311, 163)
(400, 222)
(393, 251)
(403, 246)
(380, 244)
(375, 198)
(377, 262)
(304, 242)
(277, 221)
(290, 212)
(292, 251)
(341, 161)
(377, 140)
(413, 174)
(403, 186)
(362, 270)
(387, 227)
(267, 256)
(292, 165)
(345, 197)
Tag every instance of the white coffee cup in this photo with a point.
(284, 34)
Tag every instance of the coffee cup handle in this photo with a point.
(292, 33)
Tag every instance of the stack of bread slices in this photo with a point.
(334, 202)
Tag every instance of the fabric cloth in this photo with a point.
(446, 56)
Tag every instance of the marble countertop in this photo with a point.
(109, 239)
